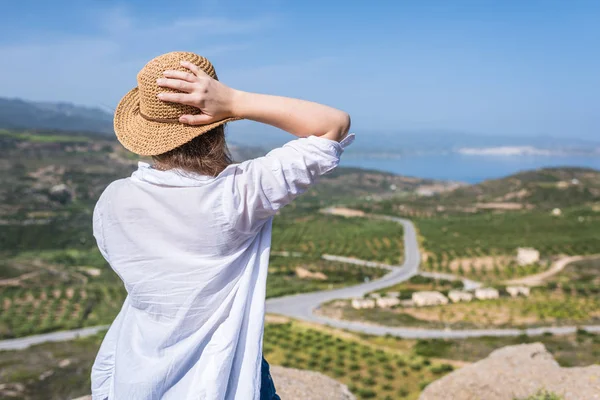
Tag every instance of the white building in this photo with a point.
(375, 295)
(458, 295)
(421, 299)
(360, 304)
(393, 294)
(387, 302)
(486, 293)
(527, 256)
(514, 291)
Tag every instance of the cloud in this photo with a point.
(99, 66)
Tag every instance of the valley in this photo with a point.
(385, 230)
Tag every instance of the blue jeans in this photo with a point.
(267, 388)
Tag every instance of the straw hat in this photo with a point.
(148, 126)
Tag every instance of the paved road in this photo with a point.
(301, 306)
(538, 279)
(60, 336)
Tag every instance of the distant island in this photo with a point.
(525, 151)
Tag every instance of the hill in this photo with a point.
(542, 189)
(50, 180)
(30, 115)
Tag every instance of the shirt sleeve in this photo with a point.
(264, 185)
(98, 230)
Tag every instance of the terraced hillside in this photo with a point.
(542, 190)
(52, 277)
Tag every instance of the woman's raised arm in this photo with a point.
(217, 101)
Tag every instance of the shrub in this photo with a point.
(416, 367)
(441, 369)
(543, 395)
(370, 381)
(400, 362)
(366, 394)
(423, 384)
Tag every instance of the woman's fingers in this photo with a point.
(176, 84)
(181, 98)
(197, 119)
(194, 68)
(182, 75)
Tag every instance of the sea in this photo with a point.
(468, 168)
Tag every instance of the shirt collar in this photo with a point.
(172, 177)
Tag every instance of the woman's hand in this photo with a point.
(214, 99)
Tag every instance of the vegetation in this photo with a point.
(484, 246)
(284, 279)
(580, 349)
(49, 184)
(370, 371)
(542, 308)
(68, 289)
(51, 371)
(52, 277)
(539, 190)
(569, 298)
(43, 138)
(58, 290)
(318, 234)
(579, 278)
(543, 395)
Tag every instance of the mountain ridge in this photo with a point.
(19, 114)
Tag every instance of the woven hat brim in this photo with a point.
(149, 138)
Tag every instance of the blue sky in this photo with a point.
(487, 67)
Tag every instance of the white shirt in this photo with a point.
(193, 253)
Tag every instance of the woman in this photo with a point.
(190, 235)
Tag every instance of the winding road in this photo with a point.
(302, 306)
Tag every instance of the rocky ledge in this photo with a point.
(307, 385)
(296, 384)
(516, 372)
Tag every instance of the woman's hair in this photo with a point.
(206, 154)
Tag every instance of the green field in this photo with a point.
(580, 349)
(318, 234)
(61, 294)
(374, 367)
(43, 138)
(483, 246)
(58, 293)
(283, 279)
(369, 371)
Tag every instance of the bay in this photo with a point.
(465, 168)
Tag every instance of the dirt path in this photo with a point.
(538, 279)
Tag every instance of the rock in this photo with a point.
(10, 390)
(303, 273)
(46, 374)
(64, 363)
(516, 372)
(61, 193)
(296, 384)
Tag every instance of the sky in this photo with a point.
(507, 67)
